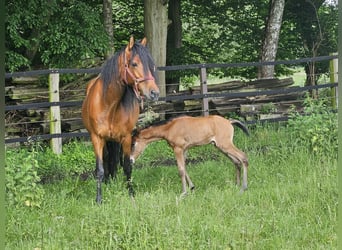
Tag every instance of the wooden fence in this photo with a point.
(207, 98)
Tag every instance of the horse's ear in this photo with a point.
(144, 41)
(130, 44)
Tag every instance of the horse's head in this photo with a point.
(140, 70)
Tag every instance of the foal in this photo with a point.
(185, 132)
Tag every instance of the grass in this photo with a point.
(291, 203)
(298, 75)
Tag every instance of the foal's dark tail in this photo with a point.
(240, 125)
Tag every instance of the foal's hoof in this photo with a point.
(242, 190)
(183, 195)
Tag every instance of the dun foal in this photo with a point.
(185, 132)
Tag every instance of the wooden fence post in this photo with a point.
(55, 114)
(204, 90)
(334, 78)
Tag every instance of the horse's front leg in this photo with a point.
(98, 144)
(127, 164)
(100, 175)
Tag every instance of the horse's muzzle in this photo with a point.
(154, 95)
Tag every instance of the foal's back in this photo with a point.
(187, 131)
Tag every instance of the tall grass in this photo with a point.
(291, 202)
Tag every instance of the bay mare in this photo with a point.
(111, 108)
(185, 132)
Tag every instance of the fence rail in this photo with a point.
(181, 97)
(204, 95)
(175, 67)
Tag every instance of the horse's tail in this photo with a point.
(240, 125)
(114, 157)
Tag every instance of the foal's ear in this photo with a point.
(130, 44)
(144, 41)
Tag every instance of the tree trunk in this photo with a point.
(174, 43)
(155, 23)
(310, 68)
(175, 27)
(108, 25)
(270, 44)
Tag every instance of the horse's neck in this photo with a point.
(115, 95)
(115, 90)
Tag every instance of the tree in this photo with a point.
(59, 33)
(174, 42)
(313, 24)
(270, 43)
(108, 26)
(155, 23)
(42, 34)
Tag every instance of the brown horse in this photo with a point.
(185, 132)
(111, 108)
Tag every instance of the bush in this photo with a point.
(28, 168)
(316, 128)
(22, 180)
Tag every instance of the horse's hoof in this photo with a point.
(131, 192)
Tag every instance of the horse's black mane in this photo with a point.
(110, 70)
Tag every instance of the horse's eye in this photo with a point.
(134, 64)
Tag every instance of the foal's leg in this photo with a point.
(179, 153)
(238, 158)
(237, 164)
(98, 144)
(188, 180)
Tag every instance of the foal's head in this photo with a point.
(138, 145)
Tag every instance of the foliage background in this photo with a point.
(57, 33)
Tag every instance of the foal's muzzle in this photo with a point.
(154, 95)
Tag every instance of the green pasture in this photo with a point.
(291, 201)
(297, 73)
